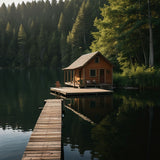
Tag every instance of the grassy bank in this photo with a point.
(140, 77)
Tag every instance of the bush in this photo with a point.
(138, 76)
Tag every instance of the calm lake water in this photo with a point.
(124, 125)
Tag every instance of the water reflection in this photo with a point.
(12, 143)
(77, 130)
(22, 92)
(76, 135)
(93, 107)
(127, 126)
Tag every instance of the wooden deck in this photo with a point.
(70, 91)
(45, 141)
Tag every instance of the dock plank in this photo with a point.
(45, 140)
(70, 91)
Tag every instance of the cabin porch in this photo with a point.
(74, 78)
(78, 85)
(77, 78)
(81, 84)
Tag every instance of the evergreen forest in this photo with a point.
(46, 34)
(53, 34)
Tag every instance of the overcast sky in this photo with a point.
(7, 2)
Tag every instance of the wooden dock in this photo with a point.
(45, 140)
(70, 91)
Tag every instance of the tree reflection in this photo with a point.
(76, 132)
(129, 132)
(21, 93)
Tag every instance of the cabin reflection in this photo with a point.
(93, 107)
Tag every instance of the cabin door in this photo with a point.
(101, 75)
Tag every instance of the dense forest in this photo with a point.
(53, 34)
(129, 32)
(44, 34)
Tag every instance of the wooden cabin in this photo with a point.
(91, 69)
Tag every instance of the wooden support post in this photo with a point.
(71, 76)
(84, 76)
(67, 76)
(64, 76)
(74, 78)
(98, 73)
(105, 75)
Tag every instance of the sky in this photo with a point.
(9, 2)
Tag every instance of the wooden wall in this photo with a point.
(108, 69)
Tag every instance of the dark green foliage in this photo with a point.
(53, 34)
(123, 32)
(124, 133)
(80, 36)
(140, 77)
(34, 34)
(26, 33)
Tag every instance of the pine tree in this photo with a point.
(12, 14)
(42, 45)
(54, 3)
(54, 52)
(8, 28)
(61, 26)
(122, 32)
(77, 35)
(80, 36)
(3, 16)
(151, 50)
(22, 38)
(11, 51)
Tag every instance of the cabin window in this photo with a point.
(97, 60)
(92, 73)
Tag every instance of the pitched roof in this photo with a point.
(82, 60)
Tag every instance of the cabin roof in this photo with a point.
(82, 60)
